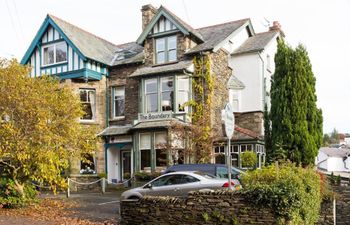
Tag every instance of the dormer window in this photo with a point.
(54, 53)
(165, 49)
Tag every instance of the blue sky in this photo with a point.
(323, 26)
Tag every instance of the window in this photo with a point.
(160, 141)
(55, 53)
(183, 94)
(118, 95)
(151, 89)
(166, 49)
(145, 148)
(167, 93)
(159, 94)
(87, 99)
(220, 154)
(87, 164)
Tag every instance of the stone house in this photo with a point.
(135, 91)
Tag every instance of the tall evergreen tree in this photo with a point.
(296, 120)
(267, 135)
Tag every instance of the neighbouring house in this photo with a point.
(134, 92)
(333, 159)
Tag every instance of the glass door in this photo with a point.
(126, 165)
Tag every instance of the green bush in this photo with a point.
(144, 176)
(249, 159)
(11, 198)
(292, 193)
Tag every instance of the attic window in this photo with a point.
(248, 31)
(124, 54)
(55, 53)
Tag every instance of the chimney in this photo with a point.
(277, 27)
(148, 11)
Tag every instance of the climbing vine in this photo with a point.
(201, 104)
(198, 135)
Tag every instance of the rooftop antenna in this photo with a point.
(266, 22)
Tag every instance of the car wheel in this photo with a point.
(134, 197)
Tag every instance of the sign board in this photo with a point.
(155, 116)
(229, 120)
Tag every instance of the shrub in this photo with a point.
(249, 159)
(144, 176)
(11, 198)
(292, 193)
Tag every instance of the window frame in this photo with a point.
(149, 149)
(93, 109)
(176, 89)
(54, 54)
(166, 49)
(114, 100)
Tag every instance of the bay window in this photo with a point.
(54, 53)
(87, 99)
(160, 139)
(151, 89)
(145, 148)
(160, 93)
(167, 93)
(183, 95)
(165, 49)
(118, 100)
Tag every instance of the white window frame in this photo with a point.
(114, 89)
(54, 54)
(93, 108)
(166, 49)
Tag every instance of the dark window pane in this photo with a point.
(119, 107)
(189, 179)
(220, 159)
(49, 55)
(61, 52)
(161, 159)
(87, 111)
(87, 164)
(145, 159)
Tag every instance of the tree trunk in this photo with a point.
(20, 188)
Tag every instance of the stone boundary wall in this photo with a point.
(342, 204)
(199, 208)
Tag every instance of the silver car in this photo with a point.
(179, 184)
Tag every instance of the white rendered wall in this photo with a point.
(322, 161)
(247, 69)
(336, 164)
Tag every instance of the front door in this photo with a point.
(126, 165)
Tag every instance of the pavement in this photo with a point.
(95, 207)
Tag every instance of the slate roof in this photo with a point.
(90, 45)
(335, 152)
(150, 70)
(256, 43)
(213, 35)
(136, 54)
(115, 130)
(156, 124)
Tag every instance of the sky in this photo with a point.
(322, 26)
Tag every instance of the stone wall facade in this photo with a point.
(198, 208)
(253, 121)
(119, 77)
(100, 118)
(221, 74)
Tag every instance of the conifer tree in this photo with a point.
(296, 120)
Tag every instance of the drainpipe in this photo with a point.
(263, 79)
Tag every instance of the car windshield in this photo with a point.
(205, 175)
